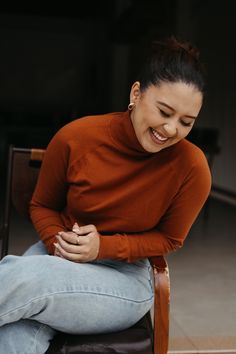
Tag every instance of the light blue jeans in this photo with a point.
(41, 294)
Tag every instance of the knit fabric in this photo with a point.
(95, 172)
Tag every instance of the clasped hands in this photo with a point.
(79, 245)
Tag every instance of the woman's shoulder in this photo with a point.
(185, 158)
(193, 160)
(86, 122)
(192, 153)
(85, 127)
(85, 133)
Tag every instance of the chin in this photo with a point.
(158, 149)
(152, 149)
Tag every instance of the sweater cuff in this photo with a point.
(50, 245)
(114, 247)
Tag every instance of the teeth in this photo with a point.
(158, 136)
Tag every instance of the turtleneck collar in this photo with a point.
(123, 134)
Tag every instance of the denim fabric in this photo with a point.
(42, 293)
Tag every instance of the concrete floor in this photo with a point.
(203, 285)
(203, 282)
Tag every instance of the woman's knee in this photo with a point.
(26, 272)
(36, 249)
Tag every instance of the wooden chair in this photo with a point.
(148, 336)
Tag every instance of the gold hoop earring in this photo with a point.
(131, 106)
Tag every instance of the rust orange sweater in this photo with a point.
(96, 172)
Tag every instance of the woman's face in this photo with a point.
(163, 115)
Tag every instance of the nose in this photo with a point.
(170, 129)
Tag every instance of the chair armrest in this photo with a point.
(37, 154)
(161, 304)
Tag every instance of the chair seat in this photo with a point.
(134, 340)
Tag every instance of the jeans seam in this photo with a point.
(39, 329)
(34, 343)
(72, 292)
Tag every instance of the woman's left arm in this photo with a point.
(174, 226)
(86, 243)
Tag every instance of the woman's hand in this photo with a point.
(79, 245)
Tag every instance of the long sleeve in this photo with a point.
(49, 197)
(171, 231)
(95, 172)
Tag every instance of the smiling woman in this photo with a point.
(164, 114)
(168, 96)
(113, 191)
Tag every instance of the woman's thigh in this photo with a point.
(73, 297)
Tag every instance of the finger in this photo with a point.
(74, 257)
(86, 229)
(83, 240)
(70, 236)
(68, 247)
(56, 252)
(75, 228)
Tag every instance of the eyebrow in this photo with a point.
(172, 109)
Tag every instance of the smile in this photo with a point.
(157, 138)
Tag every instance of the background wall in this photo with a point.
(59, 64)
(212, 26)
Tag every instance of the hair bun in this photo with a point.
(172, 43)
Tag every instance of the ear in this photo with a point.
(135, 92)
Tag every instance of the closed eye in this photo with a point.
(164, 114)
(186, 124)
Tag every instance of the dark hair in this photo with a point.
(171, 60)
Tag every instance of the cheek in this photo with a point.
(184, 132)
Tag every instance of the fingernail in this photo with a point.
(56, 245)
(60, 232)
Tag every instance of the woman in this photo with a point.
(113, 190)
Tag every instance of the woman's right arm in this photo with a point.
(49, 197)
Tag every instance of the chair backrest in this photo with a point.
(22, 174)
